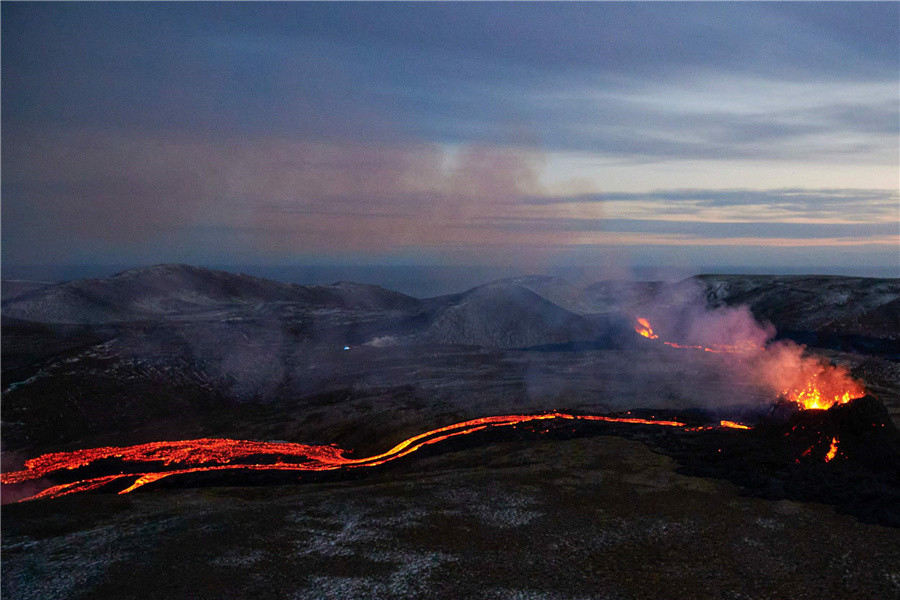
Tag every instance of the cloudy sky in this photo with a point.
(761, 136)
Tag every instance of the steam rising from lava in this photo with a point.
(806, 380)
(780, 368)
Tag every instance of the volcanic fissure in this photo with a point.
(821, 421)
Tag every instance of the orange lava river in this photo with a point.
(644, 329)
(146, 463)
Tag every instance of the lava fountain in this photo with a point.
(643, 328)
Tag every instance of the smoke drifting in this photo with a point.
(270, 196)
(682, 318)
(809, 380)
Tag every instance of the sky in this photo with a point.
(758, 137)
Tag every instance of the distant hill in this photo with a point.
(586, 299)
(504, 314)
(821, 304)
(167, 290)
(10, 288)
(509, 313)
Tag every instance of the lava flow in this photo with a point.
(146, 463)
(733, 425)
(643, 328)
(832, 451)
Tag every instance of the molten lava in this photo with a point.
(146, 463)
(733, 425)
(832, 451)
(643, 327)
(812, 396)
(829, 455)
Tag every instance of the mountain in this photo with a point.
(504, 314)
(824, 305)
(850, 313)
(615, 296)
(586, 299)
(509, 313)
(176, 290)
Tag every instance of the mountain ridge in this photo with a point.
(172, 289)
(512, 312)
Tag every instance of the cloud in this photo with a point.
(791, 206)
(285, 197)
(707, 230)
(277, 195)
(643, 82)
(292, 129)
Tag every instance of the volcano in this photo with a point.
(194, 421)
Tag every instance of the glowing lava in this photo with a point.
(733, 425)
(820, 386)
(832, 451)
(643, 328)
(821, 395)
(146, 463)
(830, 455)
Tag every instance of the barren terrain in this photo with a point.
(176, 352)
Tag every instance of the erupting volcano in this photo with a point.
(805, 383)
(643, 328)
(808, 383)
(126, 469)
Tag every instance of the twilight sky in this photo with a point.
(760, 136)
